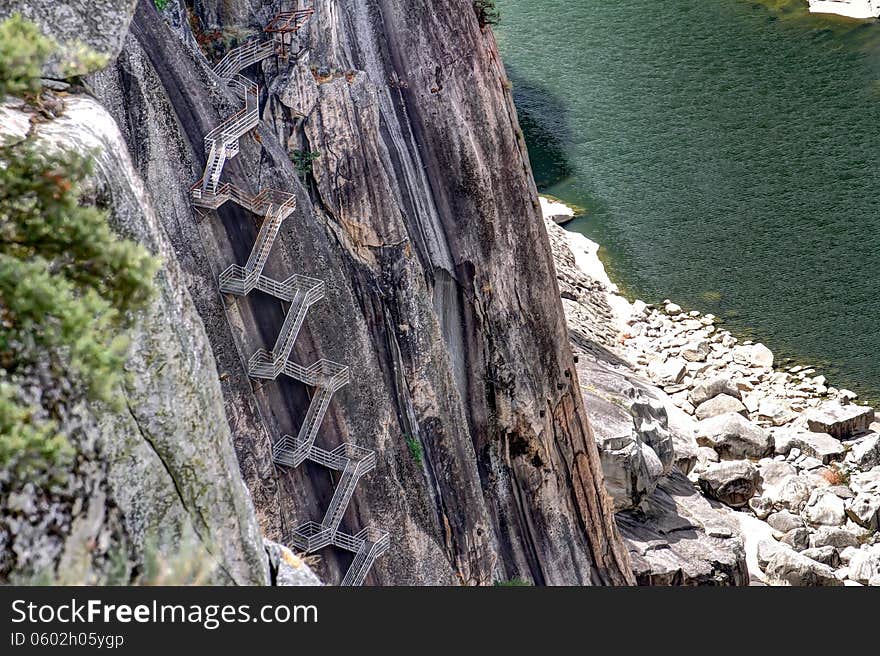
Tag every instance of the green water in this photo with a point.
(726, 152)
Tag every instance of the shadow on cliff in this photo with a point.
(544, 122)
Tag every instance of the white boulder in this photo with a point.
(840, 421)
(732, 483)
(864, 565)
(824, 508)
(865, 453)
(733, 437)
(788, 567)
(696, 351)
(719, 405)
(819, 445)
(864, 510)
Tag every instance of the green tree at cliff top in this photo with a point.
(68, 285)
(22, 53)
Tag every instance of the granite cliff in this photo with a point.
(419, 212)
(157, 480)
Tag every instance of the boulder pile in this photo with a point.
(715, 456)
(779, 443)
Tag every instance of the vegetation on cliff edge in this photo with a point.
(487, 13)
(68, 286)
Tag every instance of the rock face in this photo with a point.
(422, 219)
(420, 215)
(163, 472)
(98, 25)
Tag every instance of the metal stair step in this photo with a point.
(222, 143)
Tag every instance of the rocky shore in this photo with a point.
(724, 468)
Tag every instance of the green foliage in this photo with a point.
(30, 449)
(68, 288)
(487, 13)
(415, 448)
(67, 284)
(161, 4)
(80, 59)
(65, 279)
(22, 53)
(303, 160)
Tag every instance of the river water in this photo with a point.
(726, 155)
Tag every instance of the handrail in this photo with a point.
(323, 373)
(289, 21)
(237, 59)
(347, 542)
(300, 292)
(366, 554)
(342, 495)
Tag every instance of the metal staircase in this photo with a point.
(353, 462)
(374, 543)
(344, 489)
(299, 293)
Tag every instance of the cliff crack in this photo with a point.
(179, 492)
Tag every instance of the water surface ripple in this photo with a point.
(727, 154)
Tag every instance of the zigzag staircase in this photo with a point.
(299, 293)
